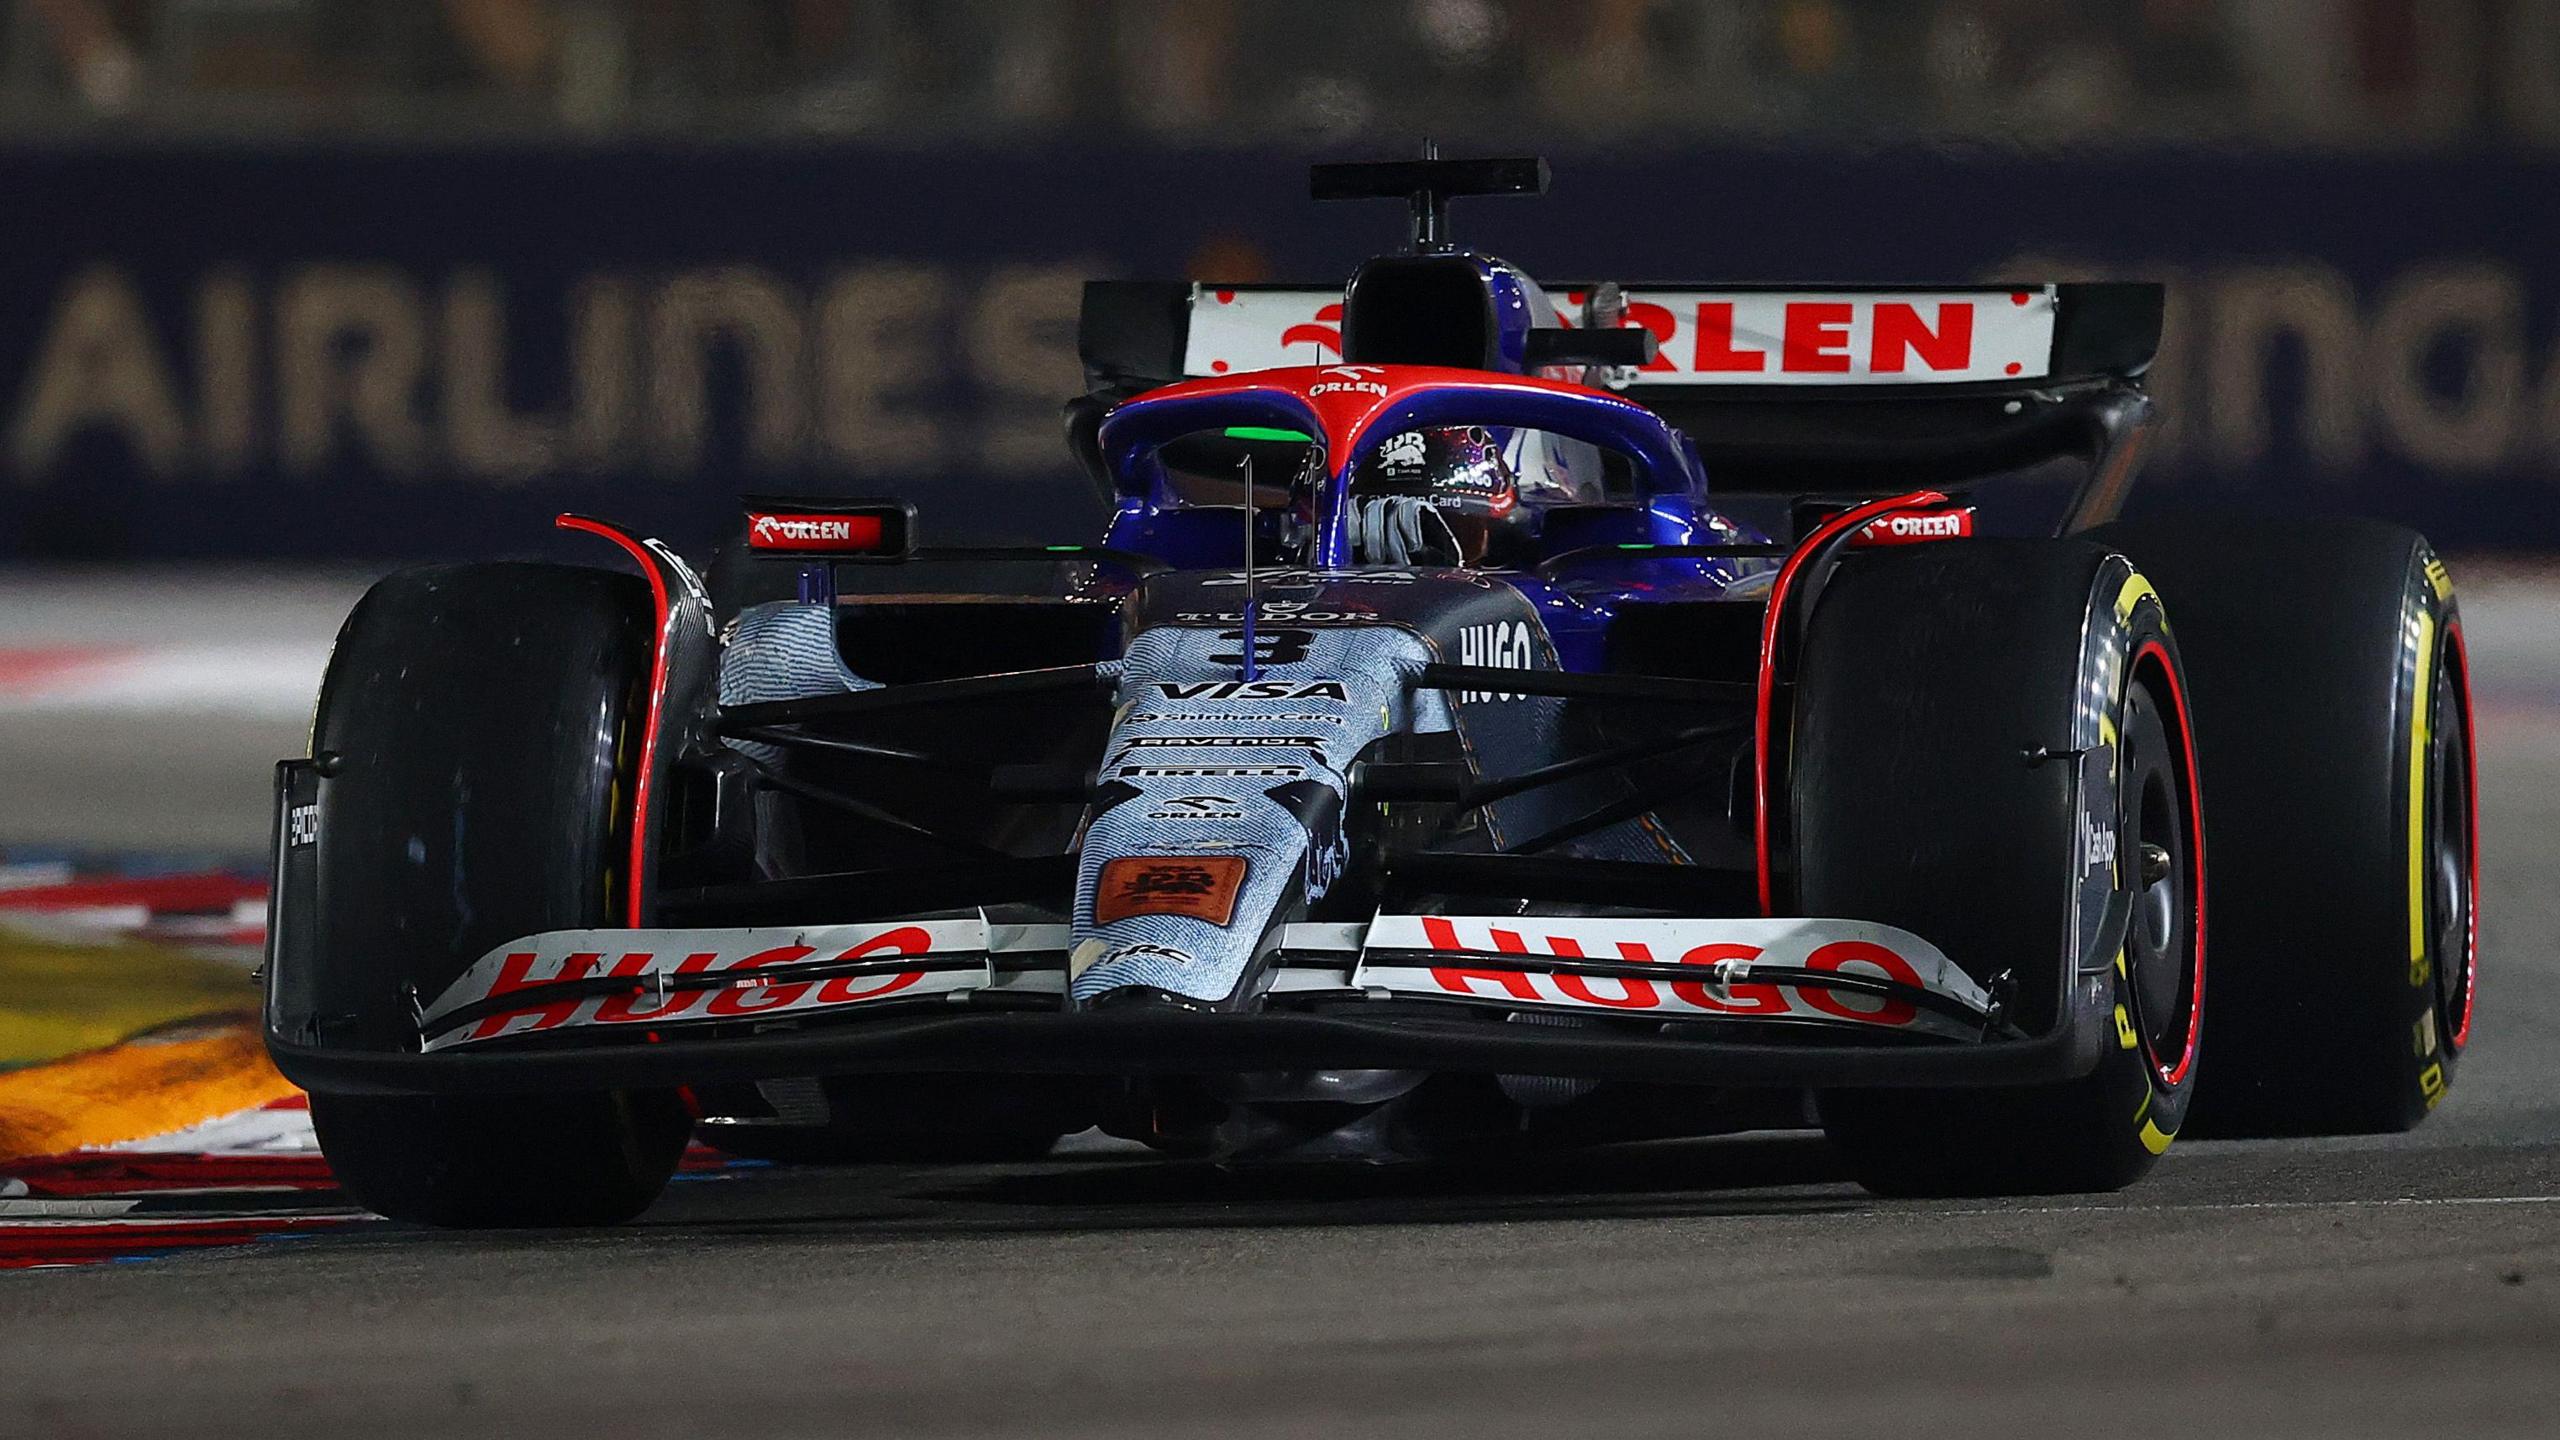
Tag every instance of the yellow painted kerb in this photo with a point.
(147, 1086)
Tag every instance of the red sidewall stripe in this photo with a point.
(2471, 822)
(2155, 651)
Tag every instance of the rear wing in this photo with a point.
(1784, 388)
(1730, 338)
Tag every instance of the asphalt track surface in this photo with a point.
(2401, 1285)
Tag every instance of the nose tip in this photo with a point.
(1142, 998)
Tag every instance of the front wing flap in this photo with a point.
(1850, 975)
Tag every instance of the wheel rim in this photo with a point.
(2158, 871)
(2449, 839)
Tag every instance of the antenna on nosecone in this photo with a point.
(1252, 671)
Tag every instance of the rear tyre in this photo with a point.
(1937, 789)
(473, 730)
(2333, 711)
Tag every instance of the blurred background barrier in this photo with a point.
(362, 280)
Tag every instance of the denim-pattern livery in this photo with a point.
(782, 651)
(1190, 771)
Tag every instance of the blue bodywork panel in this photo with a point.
(1589, 558)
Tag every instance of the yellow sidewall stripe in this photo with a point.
(2154, 1139)
(2419, 700)
(2135, 588)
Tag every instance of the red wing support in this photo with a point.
(1791, 599)
(683, 656)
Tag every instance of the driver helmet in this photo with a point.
(1452, 485)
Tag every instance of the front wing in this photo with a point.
(1776, 1002)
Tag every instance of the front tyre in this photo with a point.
(1939, 789)
(474, 1161)
(475, 729)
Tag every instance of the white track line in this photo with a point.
(2402, 1201)
(247, 678)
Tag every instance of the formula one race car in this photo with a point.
(1443, 752)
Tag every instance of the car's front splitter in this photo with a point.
(1811, 1006)
(1144, 1042)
